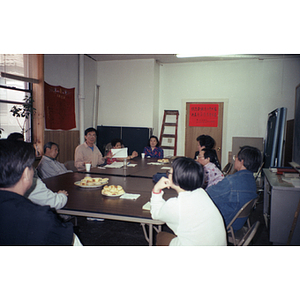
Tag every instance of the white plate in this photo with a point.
(113, 195)
(77, 183)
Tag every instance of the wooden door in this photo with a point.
(192, 132)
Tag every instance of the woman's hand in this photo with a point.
(134, 154)
(162, 184)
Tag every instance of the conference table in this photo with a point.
(137, 167)
(89, 202)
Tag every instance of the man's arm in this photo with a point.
(41, 195)
(79, 159)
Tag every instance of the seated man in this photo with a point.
(88, 152)
(235, 190)
(21, 221)
(49, 166)
(38, 193)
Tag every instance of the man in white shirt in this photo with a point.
(49, 166)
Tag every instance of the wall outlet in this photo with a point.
(169, 141)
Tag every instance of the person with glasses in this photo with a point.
(235, 190)
(213, 174)
(192, 216)
(88, 152)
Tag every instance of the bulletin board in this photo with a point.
(204, 115)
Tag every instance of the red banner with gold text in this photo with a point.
(204, 115)
(59, 107)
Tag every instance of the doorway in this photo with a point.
(192, 132)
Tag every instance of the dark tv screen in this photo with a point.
(296, 143)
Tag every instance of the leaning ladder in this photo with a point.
(165, 127)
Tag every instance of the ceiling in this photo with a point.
(172, 58)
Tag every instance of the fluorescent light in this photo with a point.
(225, 56)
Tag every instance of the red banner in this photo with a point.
(59, 107)
(204, 115)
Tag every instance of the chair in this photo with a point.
(70, 165)
(226, 170)
(256, 175)
(249, 235)
(107, 148)
(234, 237)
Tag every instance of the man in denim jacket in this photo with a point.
(235, 190)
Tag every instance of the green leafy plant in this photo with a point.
(24, 110)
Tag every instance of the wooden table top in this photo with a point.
(90, 200)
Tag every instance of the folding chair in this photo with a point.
(234, 237)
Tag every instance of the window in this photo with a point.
(12, 93)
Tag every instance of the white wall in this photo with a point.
(251, 89)
(130, 96)
(127, 92)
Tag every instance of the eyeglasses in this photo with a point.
(168, 173)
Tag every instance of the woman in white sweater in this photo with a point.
(191, 215)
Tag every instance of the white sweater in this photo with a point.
(43, 196)
(192, 216)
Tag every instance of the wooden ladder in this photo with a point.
(169, 135)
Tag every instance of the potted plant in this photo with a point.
(24, 110)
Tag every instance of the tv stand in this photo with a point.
(280, 204)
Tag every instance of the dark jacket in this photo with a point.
(23, 222)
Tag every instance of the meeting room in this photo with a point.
(122, 145)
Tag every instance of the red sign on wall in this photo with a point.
(59, 107)
(204, 115)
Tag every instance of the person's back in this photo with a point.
(25, 223)
(200, 223)
(21, 221)
(235, 190)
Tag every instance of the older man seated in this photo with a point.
(49, 166)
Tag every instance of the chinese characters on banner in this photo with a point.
(59, 107)
(204, 115)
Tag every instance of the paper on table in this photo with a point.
(130, 196)
(120, 153)
(115, 164)
(166, 168)
(294, 181)
(147, 206)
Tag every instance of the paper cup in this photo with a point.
(87, 167)
(143, 155)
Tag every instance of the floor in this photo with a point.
(118, 233)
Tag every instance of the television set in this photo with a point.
(296, 140)
(275, 137)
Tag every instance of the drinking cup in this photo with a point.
(88, 167)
